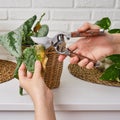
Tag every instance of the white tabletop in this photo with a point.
(73, 94)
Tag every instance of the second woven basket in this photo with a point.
(91, 75)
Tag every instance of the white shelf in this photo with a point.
(72, 95)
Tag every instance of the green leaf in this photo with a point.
(29, 56)
(112, 73)
(19, 62)
(114, 31)
(43, 31)
(114, 58)
(104, 23)
(12, 41)
(20, 90)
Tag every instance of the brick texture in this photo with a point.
(15, 3)
(53, 3)
(95, 3)
(3, 14)
(23, 14)
(61, 15)
(71, 15)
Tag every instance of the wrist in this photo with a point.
(116, 43)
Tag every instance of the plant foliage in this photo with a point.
(113, 72)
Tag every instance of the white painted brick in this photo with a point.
(117, 14)
(71, 15)
(15, 3)
(112, 14)
(116, 25)
(118, 3)
(95, 3)
(52, 3)
(98, 14)
(58, 26)
(22, 14)
(3, 14)
(75, 26)
(9, 25)
(6, 26)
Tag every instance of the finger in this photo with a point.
(38, 68)
(22, 71)
(74, 60)
(87, 26)
(73, 47)
(29, 74)
(61, 58)
(90, 65)
(83, 62)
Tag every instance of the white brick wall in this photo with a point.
(67, 13)
(61, 15)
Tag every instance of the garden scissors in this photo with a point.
(60, 45)
(58, 42)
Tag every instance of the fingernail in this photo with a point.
(37, 61)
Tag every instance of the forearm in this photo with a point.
(44, 110)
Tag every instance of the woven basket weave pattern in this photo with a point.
(6, 70)
(53, 69)
(92, 75)
(51, 76)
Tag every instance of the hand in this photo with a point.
(34, 84)
(94, 48)
(41, 95)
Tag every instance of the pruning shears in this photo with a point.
(58, 42)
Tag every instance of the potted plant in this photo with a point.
(25, 50)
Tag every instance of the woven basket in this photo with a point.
(92, 75)
(6, 70)
(53, 69)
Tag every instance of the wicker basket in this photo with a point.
(6, 70)
(52, 74)
(92, 75)
(53, 69)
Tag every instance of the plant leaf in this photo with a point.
(114, 31)
(43, 31)
(12, 41)
(29, 56)
(114, 58)
(104, 23)
(112, 73)
(19, 62)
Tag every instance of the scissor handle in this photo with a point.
(88, 33)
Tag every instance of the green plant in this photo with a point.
(112, 73)
(14, 40)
